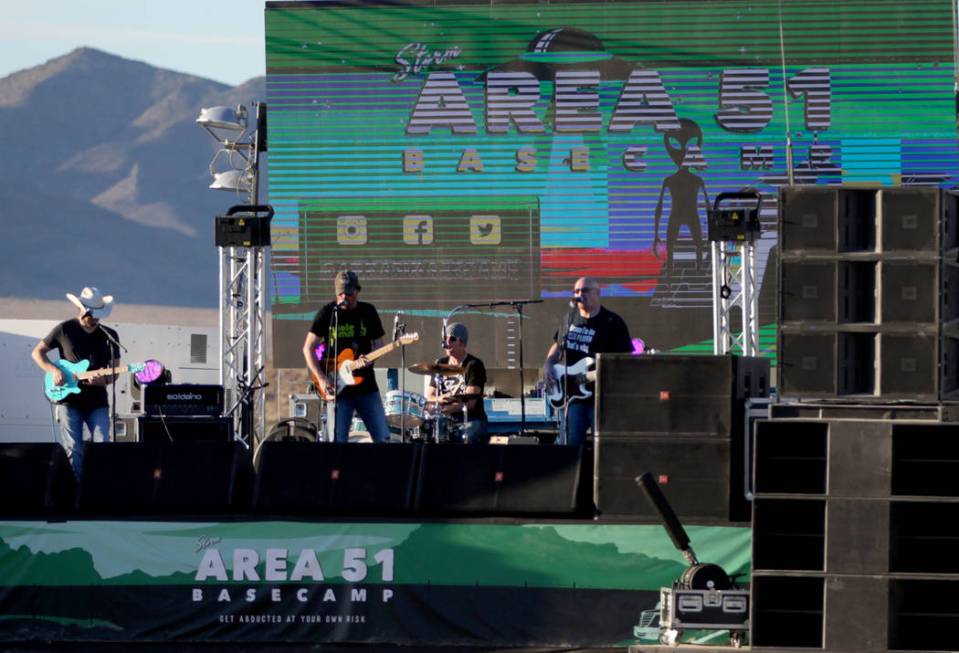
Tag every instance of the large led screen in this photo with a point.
(474, 153)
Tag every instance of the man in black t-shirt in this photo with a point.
(348, 328)
(447, 389)
(82, 338)
(593, 330)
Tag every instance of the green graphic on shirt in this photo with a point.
(348, 332)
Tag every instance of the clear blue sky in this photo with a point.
(218, 39)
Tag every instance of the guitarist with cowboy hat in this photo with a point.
(348, 324)
(82, 338)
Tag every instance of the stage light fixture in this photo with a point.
(223, 118)
(228, 127)
(239, 181)
(151, 372)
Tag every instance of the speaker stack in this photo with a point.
(856, 480)
(854, 525)
(869, 294)
(681, 418)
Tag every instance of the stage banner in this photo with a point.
(456, 152)
(508, 585)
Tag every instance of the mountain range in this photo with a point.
(105, 180)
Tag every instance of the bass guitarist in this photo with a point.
(348, 324)
(82, 338)
(592, 329)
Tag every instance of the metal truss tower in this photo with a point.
(734, 285)
(242, 268)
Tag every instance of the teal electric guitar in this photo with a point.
(76, 372)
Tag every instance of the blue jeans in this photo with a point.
(580, 418)
(370, 408)
(72, 421)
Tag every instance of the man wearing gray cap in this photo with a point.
(448, 389)
(348, 324)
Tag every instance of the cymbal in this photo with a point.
(435, 368)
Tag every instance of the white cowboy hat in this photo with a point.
(90, 299)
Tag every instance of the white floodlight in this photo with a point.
(235, 180)
(223, 118)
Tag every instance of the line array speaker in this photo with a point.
(869, 294)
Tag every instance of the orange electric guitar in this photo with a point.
(342, 368)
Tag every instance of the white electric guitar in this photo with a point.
(574, 378)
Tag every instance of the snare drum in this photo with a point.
(406, 408)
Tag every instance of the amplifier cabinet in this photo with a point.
(183, 399)
(185, 429)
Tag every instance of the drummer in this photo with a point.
(452, 391)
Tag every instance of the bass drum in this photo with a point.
(294, 429)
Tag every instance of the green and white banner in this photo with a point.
(402, 583)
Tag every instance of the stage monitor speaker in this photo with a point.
(694, 395)
(497, 480)
(295, 477)
(699, 476)
(185, 429)
(36, 480)
(148, 478)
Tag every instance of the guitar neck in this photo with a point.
(92, 374)
(382, 351)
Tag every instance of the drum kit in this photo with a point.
(419, 419)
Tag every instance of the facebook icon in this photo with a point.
(418, 229)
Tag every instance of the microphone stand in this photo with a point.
(397, 330)
(114, 357)
(517, 304)
(570, 316)
(335, 325)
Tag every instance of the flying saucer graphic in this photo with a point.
(567, 49)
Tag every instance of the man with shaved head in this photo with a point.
(592, 330)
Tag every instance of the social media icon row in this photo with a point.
(418, 230)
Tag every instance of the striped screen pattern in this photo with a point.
(595, 133)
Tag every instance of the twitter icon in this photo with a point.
(485, 230)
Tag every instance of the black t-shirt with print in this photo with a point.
(474, 374)
(74, 344)
(355, 330)
(604, 333)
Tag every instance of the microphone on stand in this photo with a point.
(111, 338)
(574, 300)
(341, 305)
(396, 324)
